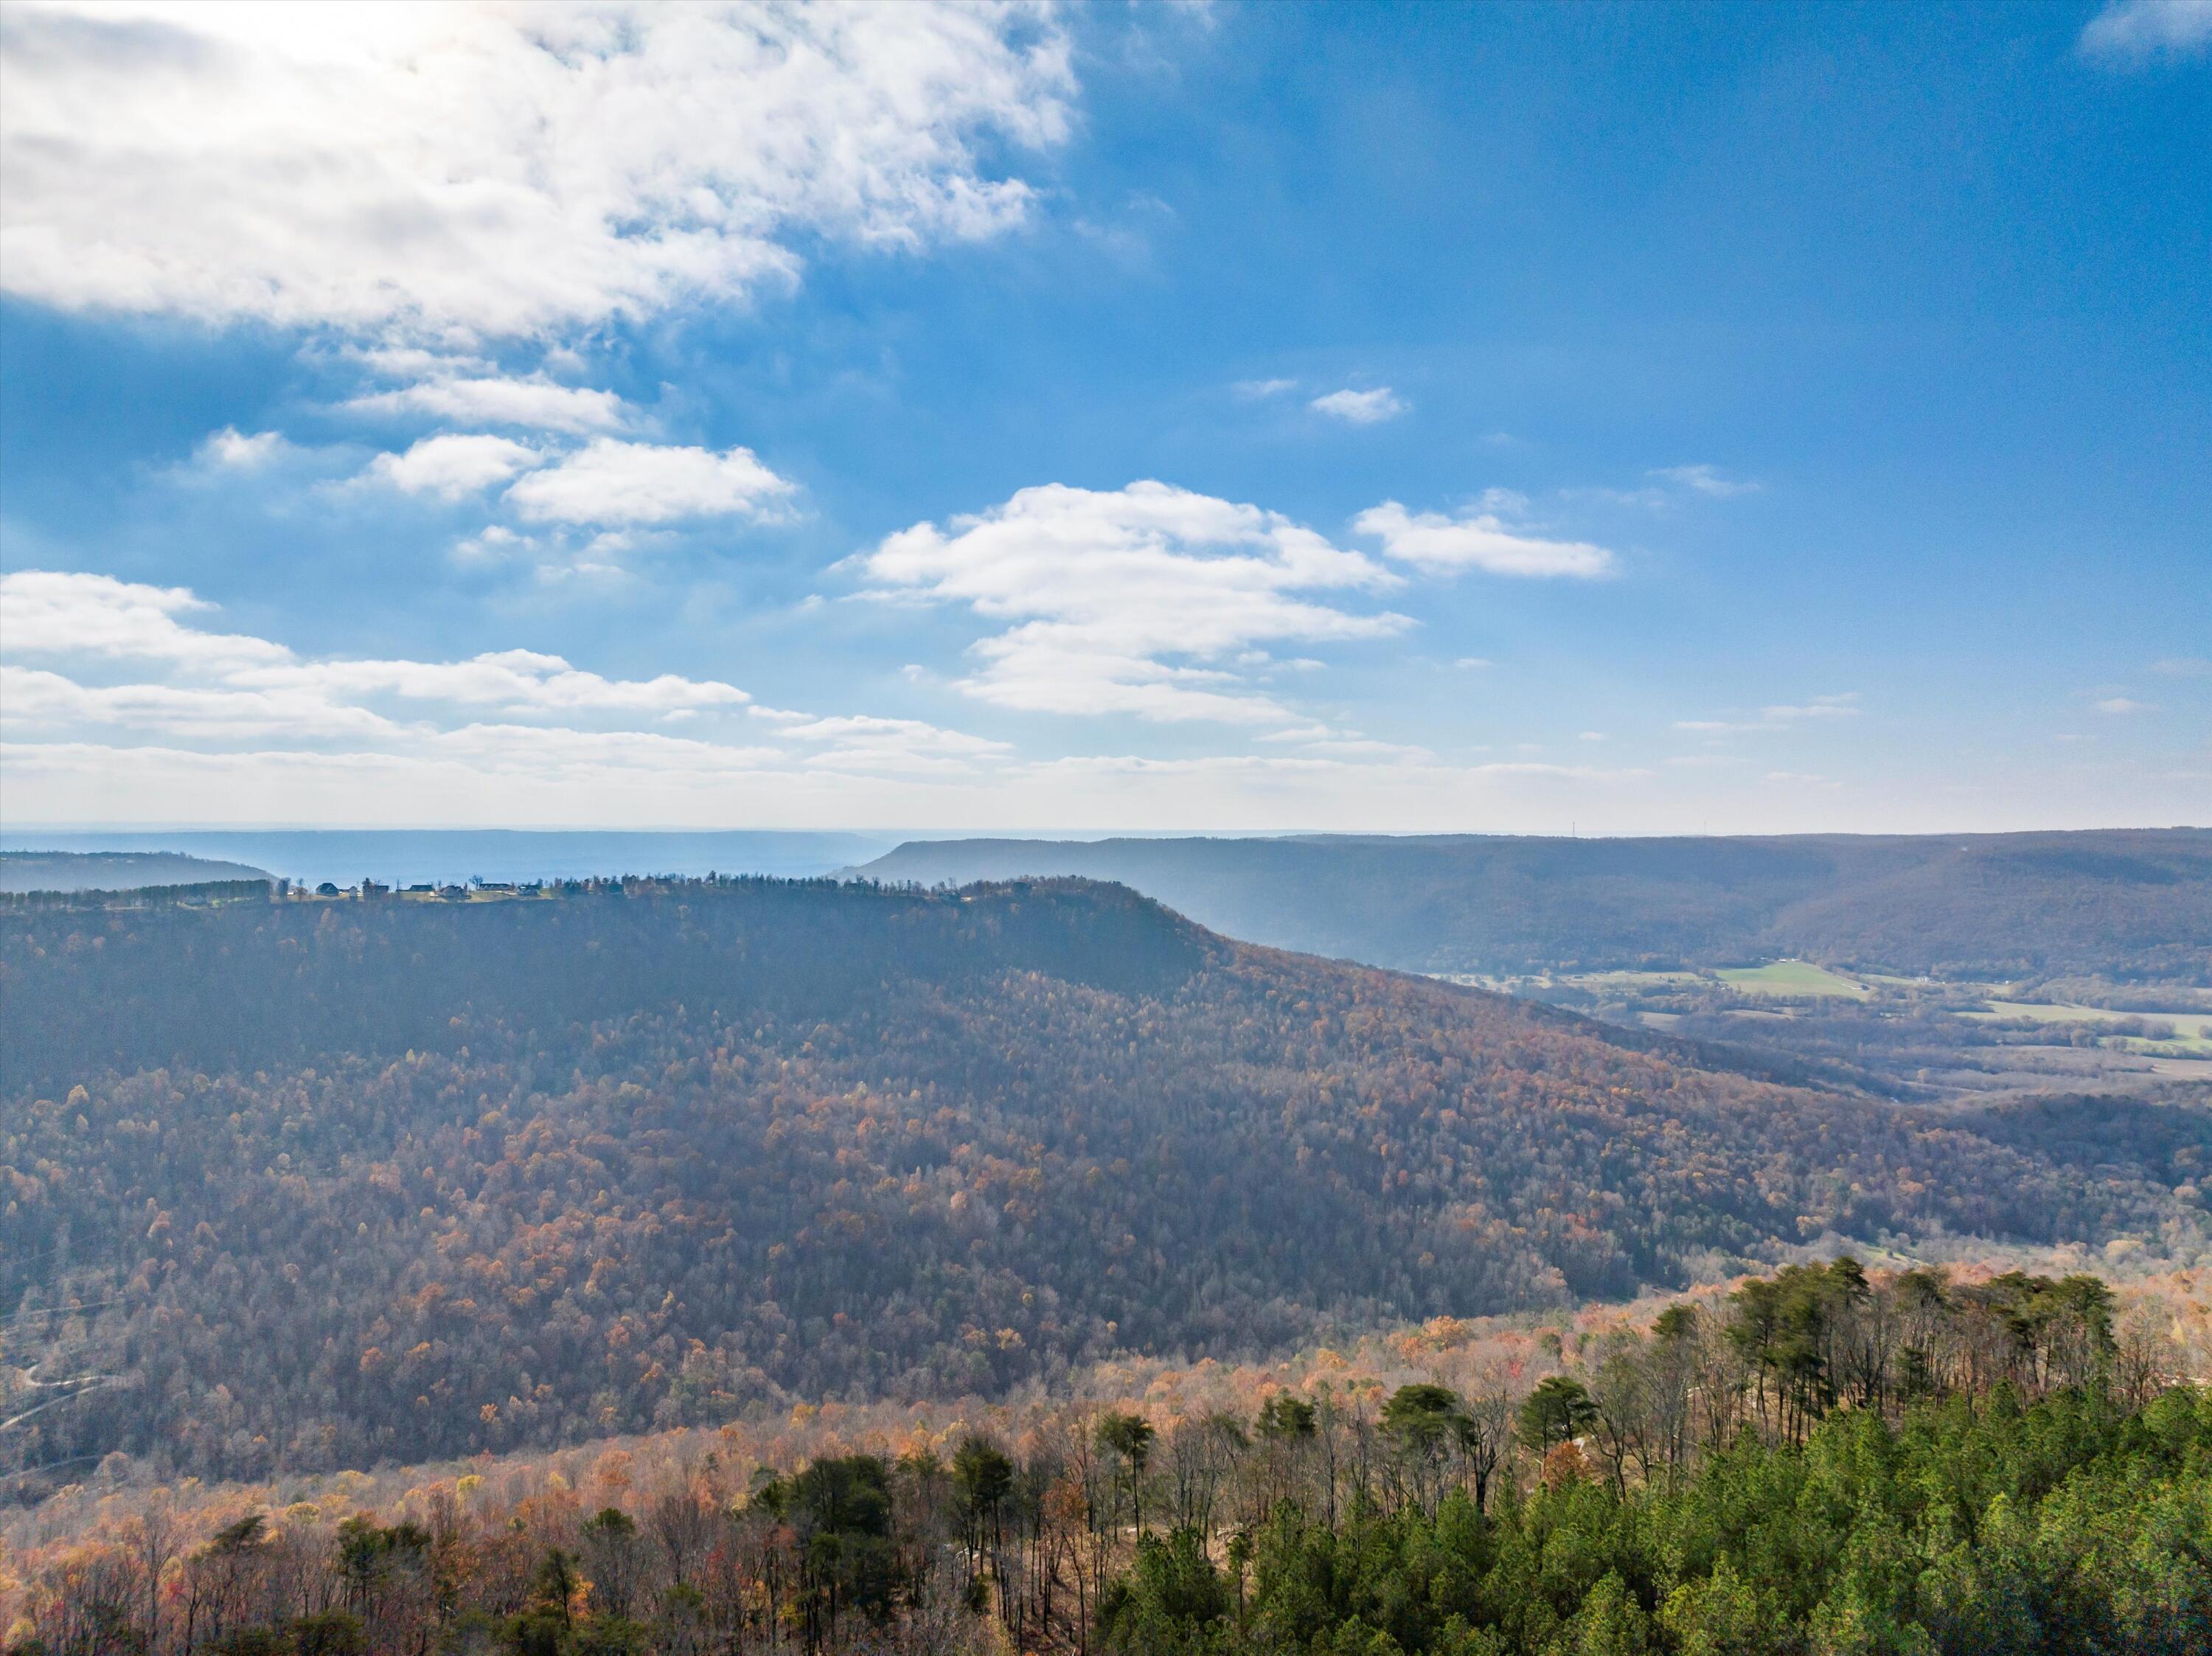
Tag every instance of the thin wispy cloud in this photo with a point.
(1779, 716)
(1705, 480)
(535, 403)
(2130, 31)
(527, 715)
(1481, 541)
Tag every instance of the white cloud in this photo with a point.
(905, 746)
(51, 612)
(213, 683)
(1474, 663)
(2184, 667)
(1483, 541)
(1255, 390)
(1130, 600)
(1820, 706)
(1780, 716)
(611, 482)
(44, 700)
(1361, 408)
(513, 680)
(2132, 30)
(501, 170)
(2121, 705)
(222, 726)
(1705, 480)
(453, 465)
(537, 403)
(233, 450)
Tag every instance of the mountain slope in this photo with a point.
(2128, 904)
(112, 871)
(358, 1180)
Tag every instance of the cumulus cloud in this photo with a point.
(1256, 391)
(1361, 408)
(611, 482)
(2132, 30)
(2121, 705)
(1482, 541)
(1135, 600)
(453, 465)
(501, 170)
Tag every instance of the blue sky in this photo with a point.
(1634, 419)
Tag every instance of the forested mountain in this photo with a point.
(349, 1180)
(112, 871)
(2130, 904)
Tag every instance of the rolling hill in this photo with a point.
(344, 1180)
(2131, 905)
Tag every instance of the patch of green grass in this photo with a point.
(1793, 980)
(2190, 1026)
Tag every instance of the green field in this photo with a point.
(2190, 1026)
(2192, 1030)
(1793, 980)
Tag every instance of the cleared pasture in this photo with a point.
(1793, 980)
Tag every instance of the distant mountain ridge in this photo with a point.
(450, 856)
(113, 870)
(2122, 903)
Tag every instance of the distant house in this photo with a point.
(326, 889)
(425, 889)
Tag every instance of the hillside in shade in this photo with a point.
(112, 871)
(343, 1180)
(2128, 904)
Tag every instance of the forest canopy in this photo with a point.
(314, 1184)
